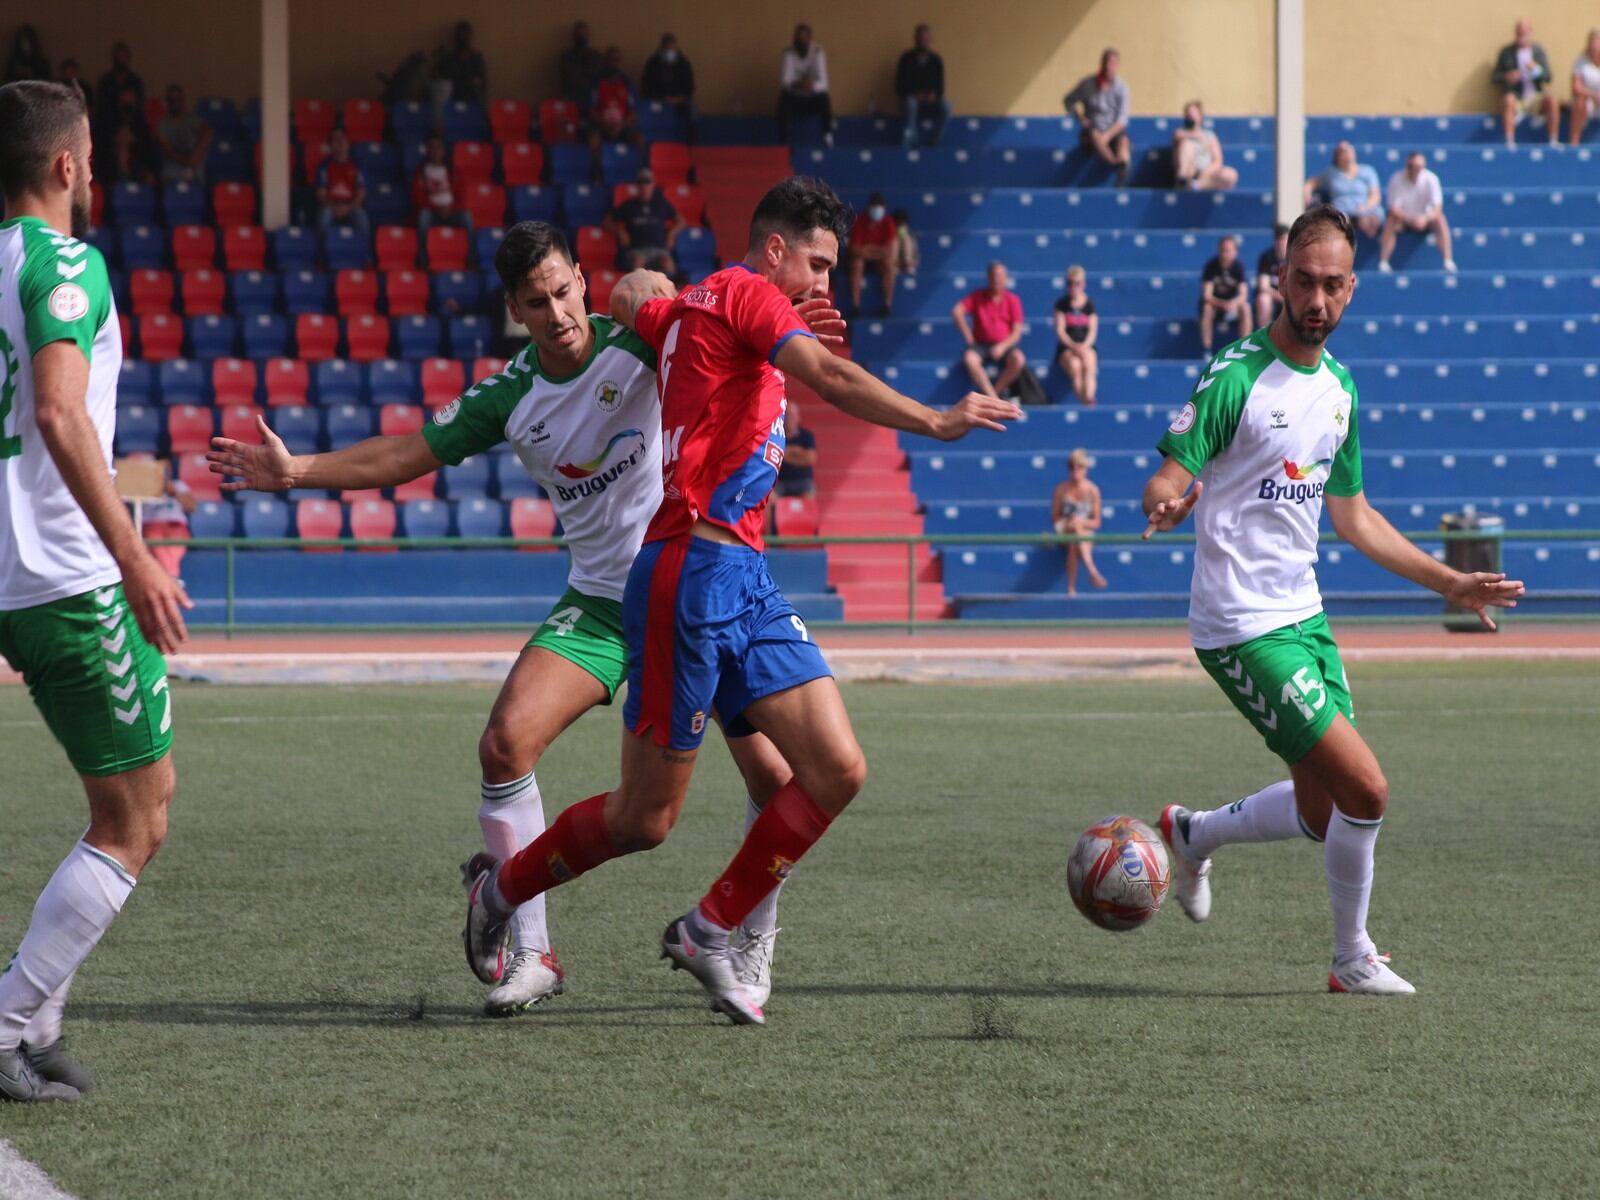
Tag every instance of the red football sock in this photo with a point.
(576, 843)
(785, 830)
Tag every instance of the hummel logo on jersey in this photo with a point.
(1279, 419)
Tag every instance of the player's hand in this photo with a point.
(1169, 514)
(823, 319)
(158, 601)
(974, 411)
(1482, 590)
(268, 467)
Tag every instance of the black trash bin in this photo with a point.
(1478, 553)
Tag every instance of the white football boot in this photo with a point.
(717, 969)
(529, 977)
(1367, 975)
(756, 974)
(1191, 879)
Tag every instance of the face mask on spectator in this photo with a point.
(669, 55)
(875, 212)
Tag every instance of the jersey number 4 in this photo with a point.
(10, 446)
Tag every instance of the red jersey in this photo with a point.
(722, 401)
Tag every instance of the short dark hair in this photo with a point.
(796, 207)
(38, 120)
(1228, 237)
(1319, 220)
(1280, 230)
(876, 198)
(525, 246)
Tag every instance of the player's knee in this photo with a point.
(1369, 798)
(503, 756)
(1015, 359)
(639, 831)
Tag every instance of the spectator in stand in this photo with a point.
(1100, 103)
(1522, 73)
(990, 322)
(26, 60)
(113, 82)
(797, 475)
(462, 65)
(613, 108)
(72, 76)
(1224, 293)
(126, 151)
(341, 188)
(919, 84)
(907, 254)
(433, 193)
(1197, 154)
(1585, 87)
(874, 239)
(803, 84)
(646, 226)
(580, 65)
(669, 79)
(1075, 510)
(1416, 202)
(1269, 268)
(183, 139)
(168, 518)
(1351, 187)
(1077, 327)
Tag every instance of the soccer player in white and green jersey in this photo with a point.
(579, 407)
(72, 567)
(1269, 436)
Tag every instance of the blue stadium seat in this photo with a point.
(425, 519)
(213, 519)
(253, 292)
(418, 337)
(337, 382)
(388, 203)
(138, 428)
(266, 335)
(570, 163)
(536, 204)
(345, 424)
(468, 480)
(230, 159)
(250, 118)
(469, 336)
(104, 239)
(412, 121)
(464, 121)
(264, 517)
(307, 292)
(620, 163)
(696, 252)
(512, 479)
(183, 204)
(182, 381)
(294, 248)
(379, 162)
(222, 115)
(143, 246)
(480, 519)
(456, 292)
(343, 248)
(136, 383)
(299, 428)
(660, 122)
(133, 203)
(584, 203)
(486, 242)
(392, 381)
(212, 336)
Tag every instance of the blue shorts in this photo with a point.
(709, 633)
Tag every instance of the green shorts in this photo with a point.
(1289, 683)
(101, 688)
(587, 630)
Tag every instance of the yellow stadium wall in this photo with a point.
(1016, 57)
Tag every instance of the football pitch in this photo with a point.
(283, 1008)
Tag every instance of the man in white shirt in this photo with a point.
(804, 84)
(1416, 202)
(1585, 87)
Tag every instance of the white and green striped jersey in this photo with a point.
(591, 440)
(1267, 437)
(53, 288)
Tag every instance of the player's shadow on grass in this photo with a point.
(419, 1013)
(1049, 990)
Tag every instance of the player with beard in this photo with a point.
(72, 569)
(1268, 437)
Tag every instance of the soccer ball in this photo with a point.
(1118, 873)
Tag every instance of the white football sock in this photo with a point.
(1269, 815)
(511, 816)
(45, 1028)
(1347, 860)
(764, 917)
(79, 903)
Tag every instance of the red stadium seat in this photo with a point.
(443, 379)
(596, 248)
(397, 247)
(363, 120)
(447, 249)
(234, 203)
(151, 291)
(472, 162)
(600, 285)
(125, 323)
(239, 423)
(313, 121)
(670, 162)
(367, 336)
(509, 120)
(406, 293)
(233, 381)
(486, 202)
(421, 488)
(558, 121)
(160, 337)
(316, 337)
(205, 293)
(373, 519)
(311, 157)
(194, 470)
(485, 367)
(796, 516)
(622, 193)
(521, 163)
(155, 108)
(288, 382)
(97, 203)
(193, 247)
(355, 495)
(320, 520)
(690, 201)
(533, 517)
(244, 248)
(356, 292)
(397, 420)
(189, 428)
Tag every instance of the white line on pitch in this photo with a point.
(21, 1180)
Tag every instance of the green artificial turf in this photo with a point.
(283, 1008)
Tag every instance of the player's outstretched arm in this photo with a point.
(1168, 498)
(850, 389)
(1369, 531)
(377, 462)
(634, 290)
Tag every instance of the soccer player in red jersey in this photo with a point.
(709, 634)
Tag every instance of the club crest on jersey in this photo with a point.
(608, 396)
(68, 302)
(774, 455)
(448, 413)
